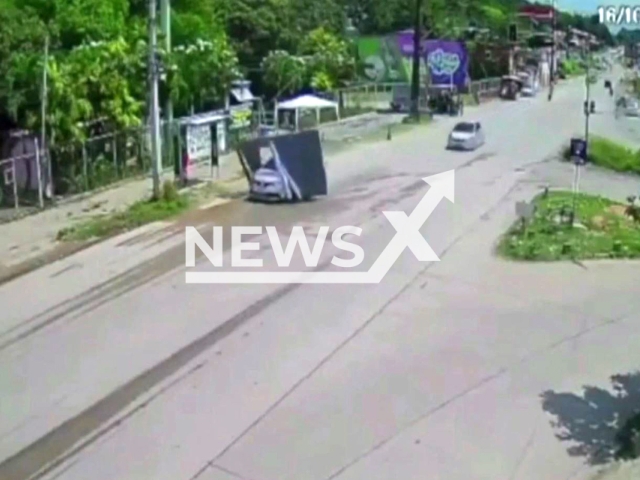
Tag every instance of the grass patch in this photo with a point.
(424, 119)
(140, 213)
(572, 68)
(602, 230)
(470, 100)
(609, 154)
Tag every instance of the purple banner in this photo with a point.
(405, 42)
(448, 62)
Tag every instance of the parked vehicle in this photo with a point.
(268, 185)
(632, 109)
(284, 167)
(466, 136)
(445, 100)
(510, 86)
(401, 98)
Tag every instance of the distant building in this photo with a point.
(539, 13)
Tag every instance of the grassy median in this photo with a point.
(612, 155)
(602, 229)
(170, 204)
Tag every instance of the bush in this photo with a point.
(609, 154)
(629, 439)
(572, 68)
(169, 191)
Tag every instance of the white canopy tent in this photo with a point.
(305, 102)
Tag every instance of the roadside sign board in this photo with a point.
(525, 210)
(240, 116)
(9, 176)
(579, 150)
(199, 141)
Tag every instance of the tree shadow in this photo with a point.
(592, 421)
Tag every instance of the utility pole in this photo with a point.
(43, 126)
(415, 72)
(156, 156)
(165, 22)
(587, 107)
(552, 66)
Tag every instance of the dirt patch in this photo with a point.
(619, 210)
(599, 222)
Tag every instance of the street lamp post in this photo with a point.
(587, 111)
(552, 66)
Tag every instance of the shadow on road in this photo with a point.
(592, 420)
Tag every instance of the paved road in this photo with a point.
(114, 368)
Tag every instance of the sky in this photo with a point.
(590, 7)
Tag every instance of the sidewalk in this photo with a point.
(30, 242)
(33, 238)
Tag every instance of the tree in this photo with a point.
(284, 72)
(330, 60)
(323, 61)
(202, 72)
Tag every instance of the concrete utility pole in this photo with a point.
(552, 65)
(165, 22)
(587, 106)
(415, 73)
(156, 153)
(43, 126)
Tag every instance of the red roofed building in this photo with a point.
(540, 13)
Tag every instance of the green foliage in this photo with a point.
(323, 61)
(609, 154)
(285, 72)
(603, 231)
(170, 192)
(572, 68)
(79, 21)
(193, 69)
(138, 214)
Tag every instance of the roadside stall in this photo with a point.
(202, 138)
(292, 110)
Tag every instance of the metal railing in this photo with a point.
(485, 88)
(22, 181)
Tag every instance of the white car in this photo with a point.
(632, 109)
(466, 136)
(267, 185)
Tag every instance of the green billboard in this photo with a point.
(382, 60)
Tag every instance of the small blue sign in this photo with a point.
(579, 150)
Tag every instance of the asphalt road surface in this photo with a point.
(113, 368)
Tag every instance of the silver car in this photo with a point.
(466, 136)
(267, 185)
(632, 109)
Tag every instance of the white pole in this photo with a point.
(43, 134)
(156, 155)
(39, 173)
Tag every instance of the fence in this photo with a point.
(485, 88)
(378, 96)
(100, 160)
(373, 96)
(23, 180)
